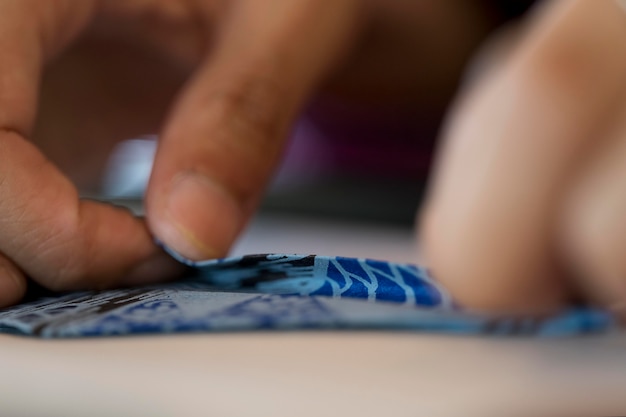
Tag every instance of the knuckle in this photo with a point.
(249, 110)
(65, 267)
(61, 256)
(564, 73)
(246, 121)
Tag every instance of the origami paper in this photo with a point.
(279, 292)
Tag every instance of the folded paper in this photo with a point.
(263, 292)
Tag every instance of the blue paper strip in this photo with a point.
(261, 292)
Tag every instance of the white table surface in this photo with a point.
(314, 373)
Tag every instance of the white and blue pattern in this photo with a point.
(262, 292)
(325, 276)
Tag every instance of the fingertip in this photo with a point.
(12, 284)
(483, 276)
(198, 218)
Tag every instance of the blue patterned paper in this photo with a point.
(262, 292)
(332, 277)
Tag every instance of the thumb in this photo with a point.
(227, 132)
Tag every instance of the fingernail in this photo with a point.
(205, 218)
(158, 268)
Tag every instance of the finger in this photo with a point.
(53, 237)
(31, 32)
(12, 282)
(489, 226)
(65, 243)
(227, 132)
(593, 227)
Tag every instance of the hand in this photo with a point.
(527, 211)
(109, 71)
(258, 73)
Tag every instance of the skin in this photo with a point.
(526, 210)
(524, 213)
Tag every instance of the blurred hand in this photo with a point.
(238, 72)
(527, 211)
